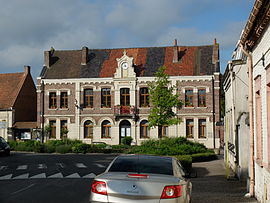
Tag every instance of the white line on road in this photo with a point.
(60, 165)
(3, 167)
(22, 167)
(6, 177)
(42, 166)
(81, 165)
(100, 165)
(42, 175)
(74, 175)
(57, 175)
(22, 189)
(23, 176)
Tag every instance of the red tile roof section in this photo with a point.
(10, 85)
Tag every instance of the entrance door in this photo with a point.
(125, 129)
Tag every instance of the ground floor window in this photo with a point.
(106, 129)
(88, 129)
(64, 129)
(144, 132)
(189, 128)
(52, 133)
(202, 128)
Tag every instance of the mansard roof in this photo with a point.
(100, 63)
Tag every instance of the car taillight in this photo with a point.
(99, 187)
(171, 191)
(135, 175)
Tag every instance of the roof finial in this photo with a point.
(124, 52)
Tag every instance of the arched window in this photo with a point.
(144, 133)
(106, 129)
(88, 129)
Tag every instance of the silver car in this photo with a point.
(142, 178)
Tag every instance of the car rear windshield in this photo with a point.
(143, 164)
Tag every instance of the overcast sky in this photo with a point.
(28, 27)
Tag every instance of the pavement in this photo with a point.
(212, 186)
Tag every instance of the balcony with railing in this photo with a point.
(125, 112)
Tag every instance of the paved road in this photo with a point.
(41, 178)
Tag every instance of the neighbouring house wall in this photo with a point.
(262, 167)
(26, 102)
(6, 118)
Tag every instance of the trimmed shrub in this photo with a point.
(186, 162)
(127, 140)
(81, 148)
(49, 148)
(62, 149)
(200, 157)
(169, 146)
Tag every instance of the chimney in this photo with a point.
(84, 56)
(27, 70)
(175, 52)
(215, 56)
(47, 57)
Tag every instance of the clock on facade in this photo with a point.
(124, 65)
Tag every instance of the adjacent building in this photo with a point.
(101, 95)
(236, 119)
(254, 43)
(17, 105)
(255, 40)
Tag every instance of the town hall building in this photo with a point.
(102, 95)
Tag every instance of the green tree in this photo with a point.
(163, 101)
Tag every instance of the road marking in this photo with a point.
(22, 167)
(23, 176)
(57, 175)
(91, 175)
(3, 167)
(6, 177)
(100, 165)
(74, 175)
(42, 175)
(60, 165)
(22, 189)
(42, 166)
(81, 165)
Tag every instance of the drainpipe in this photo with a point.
(251, 121)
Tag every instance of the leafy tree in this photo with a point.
(163, 101)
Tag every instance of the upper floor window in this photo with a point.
(144, 132)
(105, 97)
(88, 98)
(124, 97)
(64, 100)
(201, 97)
(52, 125)
(189, 98)
(144, 97)
(88, 129)
(52, 100)
(189, 128)
(202, 128)
(106, 129)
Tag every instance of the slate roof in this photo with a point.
(193, 60)
(10, 85)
